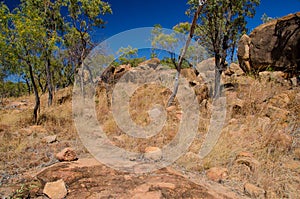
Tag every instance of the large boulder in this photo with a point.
(274, 45)
(152, 63)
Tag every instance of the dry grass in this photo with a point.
(22, 145)
(270, 137)
(143, 100)
(252, 125)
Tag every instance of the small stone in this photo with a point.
(247, 159)
(142, 188)
(67, 154)
(234, 69)
(55, 190)
(217, 174)
(127, 177)
(254, 191)
(50, 139)
(171, 108)
(294, 81)
(153, 153)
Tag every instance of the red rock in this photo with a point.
(152, 63)
(67, 154)
(164, 185)
(217, 174)
(55, 190)
(272, 45)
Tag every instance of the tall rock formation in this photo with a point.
(274, 45)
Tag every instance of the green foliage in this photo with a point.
(12, 89)
(182, 28)
(83, 16)
(221, 24)
(129, 56)
(44, 47)
(162, 40)
(169, 62)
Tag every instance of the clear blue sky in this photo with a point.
(128, 14)
(137, 13)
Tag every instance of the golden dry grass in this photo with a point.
(251, 126)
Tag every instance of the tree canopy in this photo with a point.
(221, 23)
(45, 41)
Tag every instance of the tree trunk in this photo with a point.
(28, 86)
(49, 80)
(218, 73)
(43, 88)
(181, 57)
(36, 94)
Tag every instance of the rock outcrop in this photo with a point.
(274, 45)
(152, 63)
(87, 178)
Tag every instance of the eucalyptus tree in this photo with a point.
(83, 17)
(26, 33)
(50, 12)
(220, 24)
(4, 20)
(162, 40)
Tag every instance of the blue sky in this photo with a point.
(137, 13)
(129, 14)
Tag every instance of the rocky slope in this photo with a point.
(256, 156)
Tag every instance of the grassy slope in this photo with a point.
(251, 126)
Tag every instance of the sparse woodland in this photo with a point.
(43, 46)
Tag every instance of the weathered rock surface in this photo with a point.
(153, 153)
(234, 69)
(55, 190)
(217, 174)
(274, 45)
(67, 154)
(247, 159)
(112, 74)
(87, 178)
(152, 63)
(50, 139)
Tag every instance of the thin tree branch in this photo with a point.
(181, 57)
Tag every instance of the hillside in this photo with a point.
(257, 154)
